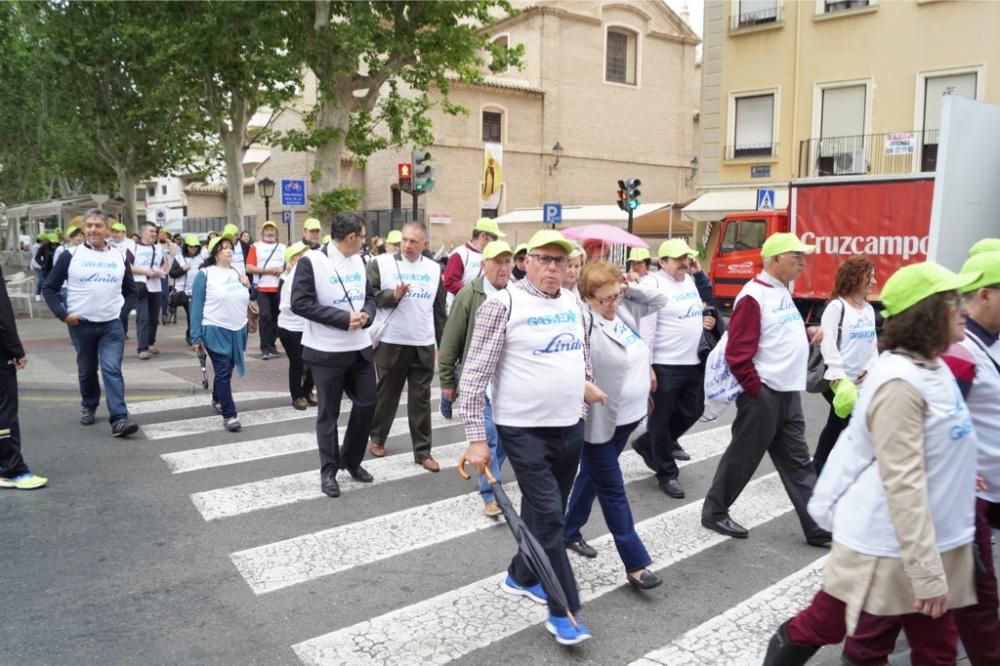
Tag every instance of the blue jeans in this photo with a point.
(497, 455)
(222, 385)
(101, 343)
(601, 477)
(164, 297)
(39, 280)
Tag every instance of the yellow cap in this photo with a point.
(985, 245)
(916, 282)
(394, 237)
(638, 254)
(327, 239)
(495, 248)
(294, 250)
(987, 264)
(230, 231)
(782, 243)
(549, 237)
(269, 223)
(489, 226)
(312, 224)
(192, 240)
(674, 249)
(73, 231)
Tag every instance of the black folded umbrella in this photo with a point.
(203, 359)
(528, 546)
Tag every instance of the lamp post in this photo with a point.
(265, 187)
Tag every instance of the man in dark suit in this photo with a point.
(330, 291)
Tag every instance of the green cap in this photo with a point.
(638, 254)
(489, 226)
(294, 250)
(312, 224)
(118, 226)
(675, 248)
(269, 223)
(192, 240)
(782, 243)
(985, 245)
(495, 248)
(53, 237)
(523, 247)
(327, 239)
(988, 265)
(73, 231)
(230, 231)
(549, 237)
(42, 236)
(912, 284)
(215, 241)
(394, 237)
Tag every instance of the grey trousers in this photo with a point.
(771, 423)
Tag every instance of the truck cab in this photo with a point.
(736, 259)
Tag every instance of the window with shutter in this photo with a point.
(963, 85)
(492, 125)
(620, 60)
(754, 126)
(757, 12)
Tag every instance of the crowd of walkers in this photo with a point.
(555, 357)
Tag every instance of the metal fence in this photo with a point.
(882, 154)
(747, 19)
(380, 221)
(201, 225)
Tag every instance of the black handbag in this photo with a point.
(176, 270)
(710, 338)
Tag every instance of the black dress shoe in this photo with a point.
(678, 453)
(725, 525)
(582, 547)
(672, 487)
(328, 483)
(783, 652)
(641, 446)
(821, 539)
(646, 580)
(360, 474)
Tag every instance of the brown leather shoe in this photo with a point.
(378, 450)
(430, 464)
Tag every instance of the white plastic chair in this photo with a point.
(22, 287)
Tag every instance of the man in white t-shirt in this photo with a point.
(411, 297)
(149, 268)
(767, 351)
(465, 263)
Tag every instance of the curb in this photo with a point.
(182, 389)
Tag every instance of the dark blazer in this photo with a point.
(10, 343)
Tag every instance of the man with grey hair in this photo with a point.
(100, 288)
(411, 297)
(148, 268)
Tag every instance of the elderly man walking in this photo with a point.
(266, 260)
(767, 352)
(531, 345)
(465, 263)
(100, 288)
(497, 264)
(412, 298)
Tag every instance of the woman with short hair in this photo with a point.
(899, 490)
(219, 299)
(620, 360)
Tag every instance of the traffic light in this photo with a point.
(622, 199)
(632, 192)
(422, 171)
(405, 176)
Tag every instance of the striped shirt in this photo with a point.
(484, 354)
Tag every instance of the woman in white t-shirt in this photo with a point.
(849, 346)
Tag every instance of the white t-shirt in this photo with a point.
(678, 323)
(984, 405)
(148, 256)
(226, 299)
(412, 322)
(287, 319)
(858, 346)
(94, 283)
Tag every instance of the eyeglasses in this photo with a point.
(546, 260)
(610, 300)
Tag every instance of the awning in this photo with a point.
(654, 218)
(715, 204)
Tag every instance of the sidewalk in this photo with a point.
(52, 361)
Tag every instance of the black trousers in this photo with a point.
(339, 373)
(268, 303)
(300, 380)
(545, 462)
(772, 423)
(147, 317)
(678, 403)
(831, 433)
(11, 462)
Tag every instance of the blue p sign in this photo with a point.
(552, 213)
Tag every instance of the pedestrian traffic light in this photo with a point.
(405, 176)
(622, 199)
(632, 192)
(422, 171)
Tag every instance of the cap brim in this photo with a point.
(962, 280)
(564, 244)
(268, 224)
(688, 253)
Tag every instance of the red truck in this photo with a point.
(886, 218)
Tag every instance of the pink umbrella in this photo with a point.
(605, 233)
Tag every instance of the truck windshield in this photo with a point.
(744, 235)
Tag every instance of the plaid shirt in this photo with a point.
(484, 353)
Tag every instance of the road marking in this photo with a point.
(740, 635)
(204, 424)
(270, 447)
(293, 488)
(202, 400)
(453, 624)
(284, 563)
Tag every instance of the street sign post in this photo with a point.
(552, 214)
(765, 199)
(286, 219)
(293, 192)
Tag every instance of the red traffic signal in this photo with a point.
(405, 176)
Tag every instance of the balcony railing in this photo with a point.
(869, 154)
(752, 150)
(380, 221)
(760, 17)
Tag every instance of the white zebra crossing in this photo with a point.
(739, 636)
(453, 624)
(282, 564)
(192, 401)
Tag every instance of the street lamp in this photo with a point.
(265, 186)
(557, 150)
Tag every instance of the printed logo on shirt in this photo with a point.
(113, 265)
(415, 277)
(625, 335)
(352, 295)
(687, 296)
(101, 277)
(862, 329)
(564, 342)
(692, 311)
(568, 317)
(788, 306)
(346, 277)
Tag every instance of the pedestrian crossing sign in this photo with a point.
(765, 199)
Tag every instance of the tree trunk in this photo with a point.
(126, 190)
(331, 115)
(232, 142)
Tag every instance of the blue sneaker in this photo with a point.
(564, 631)
(446, 408)
(534, 592)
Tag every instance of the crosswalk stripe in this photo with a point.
(740, 635)
(203, 400)
(203, 424)
(293, 488)
(453, 624)
(284, 563)
(258, 449)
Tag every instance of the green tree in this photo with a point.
(376, 65)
